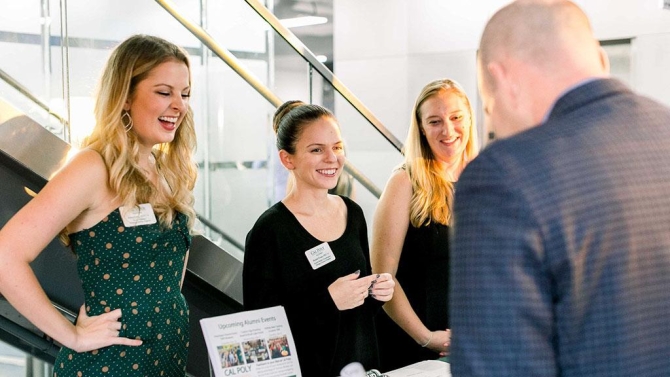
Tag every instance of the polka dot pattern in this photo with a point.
(135, 269)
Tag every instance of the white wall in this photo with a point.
(386, 50)
(614, 19)
(651, 59)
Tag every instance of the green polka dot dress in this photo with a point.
(137, 269)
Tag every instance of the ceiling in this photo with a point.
(317, 38)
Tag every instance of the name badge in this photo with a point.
(142, 214)
(320, 255)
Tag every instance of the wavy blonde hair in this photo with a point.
(432, 192)
(130, 63)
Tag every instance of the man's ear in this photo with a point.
(604, 60)
(286, 159)
(496, 71)
(500, 73)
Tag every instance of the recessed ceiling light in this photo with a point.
(303, 21)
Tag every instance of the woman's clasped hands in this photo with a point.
(350, 291)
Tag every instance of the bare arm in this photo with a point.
(68, 197)
(391, 221)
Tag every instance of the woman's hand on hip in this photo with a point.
(99, 331)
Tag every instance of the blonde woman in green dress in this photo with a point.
(125, 205)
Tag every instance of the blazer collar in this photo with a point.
(584, 94)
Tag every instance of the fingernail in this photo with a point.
(357, 272)
(370, 292)
(372, 295)
(378, 276)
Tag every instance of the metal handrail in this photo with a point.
(301, 49)
(221, 52)
(362, 179)
(33, 98)
(234, 63)
(26, 92)
(220, 232)
(40, 343)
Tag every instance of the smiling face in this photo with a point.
(319, 155)
(159, 103)
(444, 121)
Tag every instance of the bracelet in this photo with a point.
(429, 339)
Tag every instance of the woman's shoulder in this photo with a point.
(399, 182)
(350, 203)
(272, 217)
(354, 213)
(89, 163)
(84, 171)
(400, 176)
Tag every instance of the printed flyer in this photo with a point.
(255, 343)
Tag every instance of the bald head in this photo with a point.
(546, 33)
(537, 49)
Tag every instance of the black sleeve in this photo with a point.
(260, 274)
(263, 284)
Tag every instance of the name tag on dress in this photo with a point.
(142, 214)
(320, 255)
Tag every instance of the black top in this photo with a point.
(423, 273)
(277, 272)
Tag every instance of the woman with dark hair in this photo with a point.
(309, 252)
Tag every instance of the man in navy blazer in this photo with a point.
(561, 247)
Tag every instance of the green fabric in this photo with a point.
(137, 269)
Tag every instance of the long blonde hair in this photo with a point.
(130, 63)
(432, 192)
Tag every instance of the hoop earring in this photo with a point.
(126, 125)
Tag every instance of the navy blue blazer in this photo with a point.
(560, 262)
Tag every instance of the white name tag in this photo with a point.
(142, 214)
(320, 255)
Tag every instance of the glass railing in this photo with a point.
(59, 58)
(21, 89)
(372, 150)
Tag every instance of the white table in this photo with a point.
(426, 368)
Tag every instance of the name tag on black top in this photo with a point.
(320, 255)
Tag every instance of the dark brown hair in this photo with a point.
(290, 119)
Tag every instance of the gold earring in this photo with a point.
(126, 125)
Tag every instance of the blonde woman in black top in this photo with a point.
(410, 234)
